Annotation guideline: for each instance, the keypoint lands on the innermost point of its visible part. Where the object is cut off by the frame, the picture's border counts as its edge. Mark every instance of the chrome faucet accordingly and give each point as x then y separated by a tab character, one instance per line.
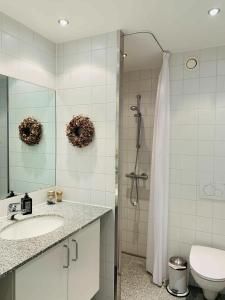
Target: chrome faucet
14	210
24	207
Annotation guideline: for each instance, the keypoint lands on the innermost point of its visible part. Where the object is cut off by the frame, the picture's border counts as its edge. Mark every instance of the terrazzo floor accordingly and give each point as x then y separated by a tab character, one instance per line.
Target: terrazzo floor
136	283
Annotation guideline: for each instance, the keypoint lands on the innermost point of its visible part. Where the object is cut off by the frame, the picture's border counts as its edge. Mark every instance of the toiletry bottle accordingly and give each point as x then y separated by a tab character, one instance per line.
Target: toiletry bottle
51	197
59	195
26	205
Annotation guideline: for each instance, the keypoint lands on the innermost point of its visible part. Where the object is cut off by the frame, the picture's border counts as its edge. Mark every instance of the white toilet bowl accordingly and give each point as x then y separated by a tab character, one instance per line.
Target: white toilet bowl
208	270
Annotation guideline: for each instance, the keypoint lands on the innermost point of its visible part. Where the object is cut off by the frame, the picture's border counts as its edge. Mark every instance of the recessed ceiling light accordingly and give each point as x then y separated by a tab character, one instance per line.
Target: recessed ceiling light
214	11
63	22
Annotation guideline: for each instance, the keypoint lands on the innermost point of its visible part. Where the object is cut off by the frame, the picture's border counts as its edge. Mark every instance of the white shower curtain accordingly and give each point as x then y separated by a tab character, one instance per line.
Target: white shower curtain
156	262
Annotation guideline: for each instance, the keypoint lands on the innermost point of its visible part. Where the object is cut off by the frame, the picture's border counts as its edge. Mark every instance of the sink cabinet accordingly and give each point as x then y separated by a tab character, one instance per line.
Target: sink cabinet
68	271
83	272
43	277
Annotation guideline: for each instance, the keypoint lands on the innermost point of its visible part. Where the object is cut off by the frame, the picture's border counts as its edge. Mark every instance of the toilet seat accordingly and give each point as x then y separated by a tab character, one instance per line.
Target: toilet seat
208	263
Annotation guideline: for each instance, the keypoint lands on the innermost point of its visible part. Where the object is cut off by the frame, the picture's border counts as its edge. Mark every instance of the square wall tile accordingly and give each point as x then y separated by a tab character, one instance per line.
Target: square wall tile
208	69
197	165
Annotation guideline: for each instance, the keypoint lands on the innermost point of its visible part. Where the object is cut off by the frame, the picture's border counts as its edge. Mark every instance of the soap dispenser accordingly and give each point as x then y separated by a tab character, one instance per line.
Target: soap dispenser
26	205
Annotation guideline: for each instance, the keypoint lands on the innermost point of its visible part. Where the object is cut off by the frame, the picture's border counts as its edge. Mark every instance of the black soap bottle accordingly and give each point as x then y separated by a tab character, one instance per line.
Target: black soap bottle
26	205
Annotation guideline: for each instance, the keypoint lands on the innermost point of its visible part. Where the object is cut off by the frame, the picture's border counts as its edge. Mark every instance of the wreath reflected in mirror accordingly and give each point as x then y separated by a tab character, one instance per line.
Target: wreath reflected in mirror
30	131
80	131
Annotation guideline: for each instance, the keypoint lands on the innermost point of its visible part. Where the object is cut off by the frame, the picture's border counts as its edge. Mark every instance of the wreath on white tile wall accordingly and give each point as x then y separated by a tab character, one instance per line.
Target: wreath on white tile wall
30	131
80	131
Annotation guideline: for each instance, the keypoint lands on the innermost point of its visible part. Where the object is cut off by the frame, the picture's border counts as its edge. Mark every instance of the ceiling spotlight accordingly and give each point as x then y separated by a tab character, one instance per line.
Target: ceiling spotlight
63	22
213	12
124	55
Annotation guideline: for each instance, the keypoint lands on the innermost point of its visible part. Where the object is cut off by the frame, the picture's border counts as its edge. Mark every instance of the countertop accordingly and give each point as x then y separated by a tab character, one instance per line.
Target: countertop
14	253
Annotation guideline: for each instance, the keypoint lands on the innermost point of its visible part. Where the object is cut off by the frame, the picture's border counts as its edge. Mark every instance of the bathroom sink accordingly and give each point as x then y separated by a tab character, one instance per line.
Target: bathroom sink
31	227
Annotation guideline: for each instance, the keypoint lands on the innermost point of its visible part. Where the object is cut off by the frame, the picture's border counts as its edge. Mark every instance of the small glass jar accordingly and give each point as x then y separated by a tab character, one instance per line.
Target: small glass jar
51	197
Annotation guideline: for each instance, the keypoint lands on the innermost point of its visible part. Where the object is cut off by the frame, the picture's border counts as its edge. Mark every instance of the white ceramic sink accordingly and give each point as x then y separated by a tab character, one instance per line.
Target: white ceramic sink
31	227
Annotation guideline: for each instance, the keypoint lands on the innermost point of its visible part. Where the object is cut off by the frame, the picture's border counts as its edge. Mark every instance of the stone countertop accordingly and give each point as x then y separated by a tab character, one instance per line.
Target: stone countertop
15	253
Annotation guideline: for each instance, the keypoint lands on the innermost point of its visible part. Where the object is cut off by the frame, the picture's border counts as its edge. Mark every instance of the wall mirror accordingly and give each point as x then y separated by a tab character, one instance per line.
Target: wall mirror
26	167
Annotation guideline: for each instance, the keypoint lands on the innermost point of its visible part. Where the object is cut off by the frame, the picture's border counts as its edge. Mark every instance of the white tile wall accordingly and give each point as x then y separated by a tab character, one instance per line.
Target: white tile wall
197	164
24	54
26	173
86	84
3	138
134	220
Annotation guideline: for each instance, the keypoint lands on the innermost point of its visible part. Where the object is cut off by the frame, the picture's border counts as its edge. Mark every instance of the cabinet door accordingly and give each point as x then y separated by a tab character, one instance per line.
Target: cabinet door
7	287
83	278
45	277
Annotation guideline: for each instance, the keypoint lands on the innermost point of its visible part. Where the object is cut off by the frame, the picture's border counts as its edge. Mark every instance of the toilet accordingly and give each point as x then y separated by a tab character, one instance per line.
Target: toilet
208	269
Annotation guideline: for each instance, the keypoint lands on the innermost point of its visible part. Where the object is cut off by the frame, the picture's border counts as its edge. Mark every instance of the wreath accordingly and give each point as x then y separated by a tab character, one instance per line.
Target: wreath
80	131
30	131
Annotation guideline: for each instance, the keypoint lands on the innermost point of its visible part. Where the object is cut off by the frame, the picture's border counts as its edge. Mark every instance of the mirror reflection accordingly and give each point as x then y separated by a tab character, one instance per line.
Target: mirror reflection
27	136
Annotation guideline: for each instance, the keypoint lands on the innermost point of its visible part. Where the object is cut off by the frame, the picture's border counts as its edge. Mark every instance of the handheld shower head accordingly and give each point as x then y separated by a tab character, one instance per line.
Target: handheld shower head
137	107
134	108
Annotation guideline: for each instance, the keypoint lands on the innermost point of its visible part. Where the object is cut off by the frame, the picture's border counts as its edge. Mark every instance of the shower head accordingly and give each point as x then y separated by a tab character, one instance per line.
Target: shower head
137	107
134	108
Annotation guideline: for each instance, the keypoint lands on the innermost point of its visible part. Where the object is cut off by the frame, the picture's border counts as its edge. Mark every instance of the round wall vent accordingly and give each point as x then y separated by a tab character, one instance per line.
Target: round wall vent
191	63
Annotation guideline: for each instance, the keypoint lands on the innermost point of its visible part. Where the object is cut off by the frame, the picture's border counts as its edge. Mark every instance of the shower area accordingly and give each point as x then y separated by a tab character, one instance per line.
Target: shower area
141	66
139	92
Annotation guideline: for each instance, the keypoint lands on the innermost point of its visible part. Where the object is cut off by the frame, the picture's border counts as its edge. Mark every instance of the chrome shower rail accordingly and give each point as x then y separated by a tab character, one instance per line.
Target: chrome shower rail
147	32
136	176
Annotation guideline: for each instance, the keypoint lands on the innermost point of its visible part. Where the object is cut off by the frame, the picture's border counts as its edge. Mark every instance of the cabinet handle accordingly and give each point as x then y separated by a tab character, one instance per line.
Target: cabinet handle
76	250
68	258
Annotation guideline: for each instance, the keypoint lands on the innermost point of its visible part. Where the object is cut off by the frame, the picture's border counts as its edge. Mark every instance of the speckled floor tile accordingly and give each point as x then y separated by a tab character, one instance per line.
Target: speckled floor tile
136	283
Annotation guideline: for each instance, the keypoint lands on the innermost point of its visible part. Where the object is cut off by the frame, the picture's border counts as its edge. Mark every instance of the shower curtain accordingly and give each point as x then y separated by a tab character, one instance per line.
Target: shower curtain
156	262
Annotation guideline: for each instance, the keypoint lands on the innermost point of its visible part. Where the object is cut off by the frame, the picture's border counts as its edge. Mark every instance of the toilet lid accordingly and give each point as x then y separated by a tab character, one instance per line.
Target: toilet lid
209	263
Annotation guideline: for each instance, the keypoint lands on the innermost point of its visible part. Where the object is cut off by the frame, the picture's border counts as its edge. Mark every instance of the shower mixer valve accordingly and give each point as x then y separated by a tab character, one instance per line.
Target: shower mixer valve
133	175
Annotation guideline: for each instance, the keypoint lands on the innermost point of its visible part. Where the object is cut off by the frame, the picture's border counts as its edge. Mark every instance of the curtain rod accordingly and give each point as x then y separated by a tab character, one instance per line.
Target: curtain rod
147	32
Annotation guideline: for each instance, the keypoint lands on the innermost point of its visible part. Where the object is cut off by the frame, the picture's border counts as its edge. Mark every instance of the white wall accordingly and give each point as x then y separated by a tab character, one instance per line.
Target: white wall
26	55
135	219
3	138
86	84
197	164
31	167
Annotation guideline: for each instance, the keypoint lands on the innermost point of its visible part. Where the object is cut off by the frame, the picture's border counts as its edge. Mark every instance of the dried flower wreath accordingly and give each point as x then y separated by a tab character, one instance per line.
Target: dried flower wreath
80	131
30	131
